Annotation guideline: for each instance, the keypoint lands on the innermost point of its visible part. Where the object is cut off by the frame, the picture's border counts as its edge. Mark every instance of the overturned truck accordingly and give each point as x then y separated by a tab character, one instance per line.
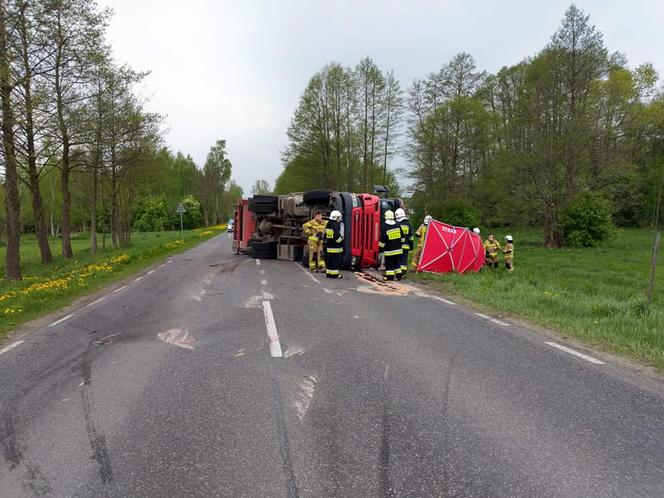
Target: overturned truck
270	226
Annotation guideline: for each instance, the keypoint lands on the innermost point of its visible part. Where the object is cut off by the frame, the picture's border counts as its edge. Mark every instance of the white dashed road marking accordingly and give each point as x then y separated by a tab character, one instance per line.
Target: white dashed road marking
483	316
139	278
258	262
263	282
119	289
576	353
10	347
150	272
272	335
96	301
57	322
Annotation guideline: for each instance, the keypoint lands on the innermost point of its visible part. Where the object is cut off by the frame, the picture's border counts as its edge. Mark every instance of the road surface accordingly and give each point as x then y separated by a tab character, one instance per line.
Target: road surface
217	375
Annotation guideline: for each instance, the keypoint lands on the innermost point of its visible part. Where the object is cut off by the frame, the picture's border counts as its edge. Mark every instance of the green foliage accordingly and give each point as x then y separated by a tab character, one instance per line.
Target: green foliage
192	217
587	221
152	215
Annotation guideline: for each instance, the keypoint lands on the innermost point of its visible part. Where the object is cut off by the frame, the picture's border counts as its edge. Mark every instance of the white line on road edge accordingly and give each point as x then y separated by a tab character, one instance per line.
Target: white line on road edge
308	274
502	324
443	300
150	272
57	322
258	262
119	289
139	278
483	316
10	347
263	282
161	266
96	301
272	335
576	353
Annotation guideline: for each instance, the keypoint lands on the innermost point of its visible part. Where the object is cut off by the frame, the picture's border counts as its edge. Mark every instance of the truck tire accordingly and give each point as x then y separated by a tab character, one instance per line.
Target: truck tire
264	250
264	204
316	196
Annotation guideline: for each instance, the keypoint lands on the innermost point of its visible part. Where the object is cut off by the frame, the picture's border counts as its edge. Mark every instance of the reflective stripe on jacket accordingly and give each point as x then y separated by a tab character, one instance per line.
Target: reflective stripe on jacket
312	228
406	235
334	238
390	239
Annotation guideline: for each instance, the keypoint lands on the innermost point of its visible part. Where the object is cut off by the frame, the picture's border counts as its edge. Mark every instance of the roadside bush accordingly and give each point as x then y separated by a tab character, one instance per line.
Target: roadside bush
152	215
587	221
459	213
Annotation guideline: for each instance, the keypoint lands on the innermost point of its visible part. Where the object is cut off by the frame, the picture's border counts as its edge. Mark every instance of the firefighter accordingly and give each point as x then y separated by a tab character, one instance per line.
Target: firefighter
406	239
421	233
508	251
390	245
315	230
476	231
334	248
491	248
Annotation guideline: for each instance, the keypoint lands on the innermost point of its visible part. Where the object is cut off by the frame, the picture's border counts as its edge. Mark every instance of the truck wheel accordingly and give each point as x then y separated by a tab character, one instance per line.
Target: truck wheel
264	204
316	196
264	250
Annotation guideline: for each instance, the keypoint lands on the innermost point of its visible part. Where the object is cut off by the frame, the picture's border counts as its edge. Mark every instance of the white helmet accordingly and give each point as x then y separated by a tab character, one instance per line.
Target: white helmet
400	214
427	219
389	215
335	215
476	230
508	238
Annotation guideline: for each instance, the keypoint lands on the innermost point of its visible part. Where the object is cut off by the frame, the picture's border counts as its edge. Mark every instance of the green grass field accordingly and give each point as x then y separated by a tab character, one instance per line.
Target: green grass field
597	295
47	288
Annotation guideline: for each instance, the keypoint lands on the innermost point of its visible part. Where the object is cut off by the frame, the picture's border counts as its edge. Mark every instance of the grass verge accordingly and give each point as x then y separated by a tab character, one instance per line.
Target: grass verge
47	288
597	295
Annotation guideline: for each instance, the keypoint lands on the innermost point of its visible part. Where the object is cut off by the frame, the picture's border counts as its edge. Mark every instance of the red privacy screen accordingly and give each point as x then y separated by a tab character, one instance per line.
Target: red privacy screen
448	248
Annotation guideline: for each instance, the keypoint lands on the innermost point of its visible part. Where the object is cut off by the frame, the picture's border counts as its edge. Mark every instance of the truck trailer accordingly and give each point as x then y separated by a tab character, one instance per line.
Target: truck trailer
270	226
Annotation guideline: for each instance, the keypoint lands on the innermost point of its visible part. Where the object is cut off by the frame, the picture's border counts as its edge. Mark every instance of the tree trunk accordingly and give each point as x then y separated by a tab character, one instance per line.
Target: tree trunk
64	167
12	199
93	213
67	251
41	230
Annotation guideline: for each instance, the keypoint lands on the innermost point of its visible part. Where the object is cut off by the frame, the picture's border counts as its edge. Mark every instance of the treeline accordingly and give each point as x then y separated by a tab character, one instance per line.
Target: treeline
79	149
570	132
344	130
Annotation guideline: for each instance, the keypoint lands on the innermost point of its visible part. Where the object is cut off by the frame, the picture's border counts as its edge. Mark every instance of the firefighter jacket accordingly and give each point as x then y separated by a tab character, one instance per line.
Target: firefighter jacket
492	247
509	250
312	228
390	239
421	233
407	237
334	237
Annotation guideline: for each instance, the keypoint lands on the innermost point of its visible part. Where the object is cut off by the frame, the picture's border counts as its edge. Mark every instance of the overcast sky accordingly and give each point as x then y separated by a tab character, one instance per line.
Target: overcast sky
236	69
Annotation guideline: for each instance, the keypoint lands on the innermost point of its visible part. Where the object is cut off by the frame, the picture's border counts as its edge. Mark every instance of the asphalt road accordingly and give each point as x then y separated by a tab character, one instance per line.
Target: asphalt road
169	387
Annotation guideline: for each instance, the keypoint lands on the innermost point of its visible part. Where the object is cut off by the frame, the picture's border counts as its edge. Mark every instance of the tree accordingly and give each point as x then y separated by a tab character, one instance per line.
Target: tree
12	200
216	174
75	30
260	187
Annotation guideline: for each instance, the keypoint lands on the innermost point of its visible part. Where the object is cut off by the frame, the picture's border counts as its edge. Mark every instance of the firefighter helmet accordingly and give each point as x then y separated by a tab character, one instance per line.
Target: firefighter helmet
389	215
476	230
335	215
400	214
427	219
508	238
